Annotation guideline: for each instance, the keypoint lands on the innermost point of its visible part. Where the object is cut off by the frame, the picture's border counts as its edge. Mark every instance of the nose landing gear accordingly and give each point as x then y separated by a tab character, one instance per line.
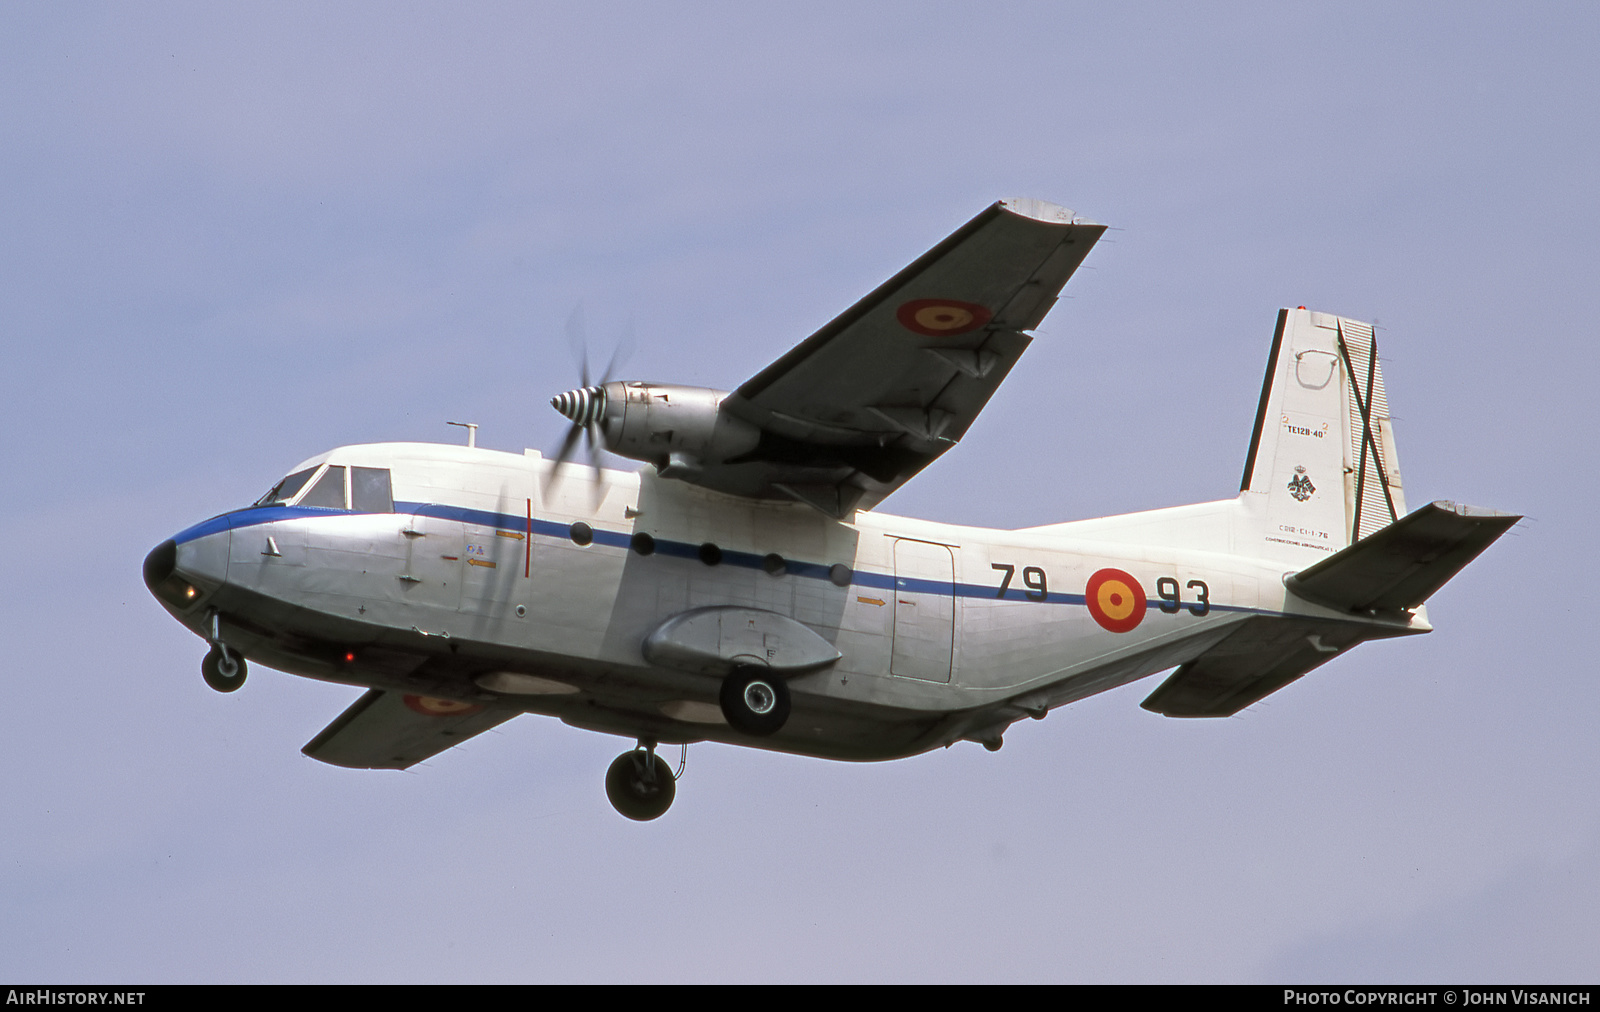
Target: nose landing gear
223	669
640	784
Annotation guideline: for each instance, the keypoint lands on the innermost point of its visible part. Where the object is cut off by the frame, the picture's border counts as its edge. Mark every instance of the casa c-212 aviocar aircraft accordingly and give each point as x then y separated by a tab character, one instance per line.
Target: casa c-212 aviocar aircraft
742	588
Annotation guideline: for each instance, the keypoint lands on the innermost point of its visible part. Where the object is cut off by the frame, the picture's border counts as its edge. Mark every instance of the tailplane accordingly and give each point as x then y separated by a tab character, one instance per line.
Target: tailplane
1384	575
1397	568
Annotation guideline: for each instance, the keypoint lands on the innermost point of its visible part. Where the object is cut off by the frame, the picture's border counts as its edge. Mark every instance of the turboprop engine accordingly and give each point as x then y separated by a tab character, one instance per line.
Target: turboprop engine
679	429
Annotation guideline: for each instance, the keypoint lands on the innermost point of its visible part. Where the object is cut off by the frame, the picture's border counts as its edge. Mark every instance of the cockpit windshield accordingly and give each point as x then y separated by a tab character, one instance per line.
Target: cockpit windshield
286	489
369	489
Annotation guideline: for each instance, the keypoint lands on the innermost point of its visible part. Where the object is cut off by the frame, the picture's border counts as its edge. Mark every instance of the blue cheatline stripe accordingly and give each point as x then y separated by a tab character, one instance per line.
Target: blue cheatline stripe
255	515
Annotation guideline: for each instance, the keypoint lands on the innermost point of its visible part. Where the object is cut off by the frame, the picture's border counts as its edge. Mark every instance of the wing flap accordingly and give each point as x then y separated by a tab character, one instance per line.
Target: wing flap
393	730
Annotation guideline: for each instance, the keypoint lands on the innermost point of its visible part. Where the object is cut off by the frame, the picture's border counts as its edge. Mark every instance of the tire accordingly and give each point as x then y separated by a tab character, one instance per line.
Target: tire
635	796
223	670
755	701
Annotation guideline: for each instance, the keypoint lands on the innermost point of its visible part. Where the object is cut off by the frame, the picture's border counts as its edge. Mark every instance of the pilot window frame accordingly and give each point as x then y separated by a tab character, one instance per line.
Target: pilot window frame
269	499
374	494
324	484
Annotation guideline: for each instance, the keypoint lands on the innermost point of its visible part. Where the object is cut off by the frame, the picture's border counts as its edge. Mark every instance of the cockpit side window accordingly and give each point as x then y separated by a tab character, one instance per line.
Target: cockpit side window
285	490
370	490
328	491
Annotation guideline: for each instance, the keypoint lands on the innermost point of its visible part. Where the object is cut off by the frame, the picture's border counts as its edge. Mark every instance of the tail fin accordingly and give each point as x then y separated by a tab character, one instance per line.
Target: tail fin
1322	471
1322	492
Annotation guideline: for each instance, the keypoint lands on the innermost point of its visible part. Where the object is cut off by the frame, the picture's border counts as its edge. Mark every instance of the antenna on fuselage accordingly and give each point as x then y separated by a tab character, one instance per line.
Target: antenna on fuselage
472	432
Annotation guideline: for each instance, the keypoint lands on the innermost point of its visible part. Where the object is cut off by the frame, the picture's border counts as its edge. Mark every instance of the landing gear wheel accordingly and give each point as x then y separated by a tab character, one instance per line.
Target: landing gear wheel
640	785
755	701
223	669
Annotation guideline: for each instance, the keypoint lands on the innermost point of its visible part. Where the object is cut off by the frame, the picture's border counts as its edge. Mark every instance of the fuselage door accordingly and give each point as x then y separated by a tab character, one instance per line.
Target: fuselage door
924	610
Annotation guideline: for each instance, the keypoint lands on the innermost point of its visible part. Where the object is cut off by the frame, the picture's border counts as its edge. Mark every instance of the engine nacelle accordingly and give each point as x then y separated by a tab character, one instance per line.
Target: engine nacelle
677	428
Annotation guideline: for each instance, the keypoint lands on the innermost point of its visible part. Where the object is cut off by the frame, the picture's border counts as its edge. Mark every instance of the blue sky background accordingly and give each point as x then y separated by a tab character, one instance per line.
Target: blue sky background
233	236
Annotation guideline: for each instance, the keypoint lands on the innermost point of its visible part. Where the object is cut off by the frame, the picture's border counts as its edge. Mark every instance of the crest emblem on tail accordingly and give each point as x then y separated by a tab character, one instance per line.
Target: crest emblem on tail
1300	486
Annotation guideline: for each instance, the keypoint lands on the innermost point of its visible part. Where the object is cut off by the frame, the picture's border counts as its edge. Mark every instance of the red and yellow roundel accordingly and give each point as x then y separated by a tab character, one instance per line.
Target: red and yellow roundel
1115	600
430	706
941	317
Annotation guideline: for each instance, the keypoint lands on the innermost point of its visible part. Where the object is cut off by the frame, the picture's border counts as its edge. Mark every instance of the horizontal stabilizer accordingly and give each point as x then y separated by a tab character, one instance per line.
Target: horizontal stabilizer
1260	657
394	730
1400	566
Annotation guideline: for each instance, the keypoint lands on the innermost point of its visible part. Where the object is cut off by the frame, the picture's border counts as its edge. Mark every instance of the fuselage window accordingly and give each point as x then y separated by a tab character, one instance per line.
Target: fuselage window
328	491
284	490
370	491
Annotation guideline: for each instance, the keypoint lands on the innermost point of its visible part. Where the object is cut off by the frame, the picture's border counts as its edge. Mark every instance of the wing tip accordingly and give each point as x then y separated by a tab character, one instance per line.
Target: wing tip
1043	210
1469	512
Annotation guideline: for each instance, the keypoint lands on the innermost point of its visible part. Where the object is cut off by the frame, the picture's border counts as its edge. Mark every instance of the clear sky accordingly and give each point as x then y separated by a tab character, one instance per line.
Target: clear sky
233	236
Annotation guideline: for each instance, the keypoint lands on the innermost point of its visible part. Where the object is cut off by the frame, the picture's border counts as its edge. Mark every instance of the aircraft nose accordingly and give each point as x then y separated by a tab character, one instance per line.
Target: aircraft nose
165	582
183	573
160	563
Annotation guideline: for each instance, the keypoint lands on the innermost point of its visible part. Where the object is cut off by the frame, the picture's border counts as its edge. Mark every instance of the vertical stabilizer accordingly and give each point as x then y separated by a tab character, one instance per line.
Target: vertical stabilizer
1322	471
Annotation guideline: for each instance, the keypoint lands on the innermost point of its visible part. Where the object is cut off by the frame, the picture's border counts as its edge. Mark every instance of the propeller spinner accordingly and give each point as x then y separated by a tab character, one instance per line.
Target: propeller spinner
582	406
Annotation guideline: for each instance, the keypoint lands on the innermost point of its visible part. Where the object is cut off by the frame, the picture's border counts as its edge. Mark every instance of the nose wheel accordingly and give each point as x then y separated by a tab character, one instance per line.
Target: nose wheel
640	784
223	669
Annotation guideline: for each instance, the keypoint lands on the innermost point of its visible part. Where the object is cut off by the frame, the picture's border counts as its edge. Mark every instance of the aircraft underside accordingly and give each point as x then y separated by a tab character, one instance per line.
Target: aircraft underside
615	699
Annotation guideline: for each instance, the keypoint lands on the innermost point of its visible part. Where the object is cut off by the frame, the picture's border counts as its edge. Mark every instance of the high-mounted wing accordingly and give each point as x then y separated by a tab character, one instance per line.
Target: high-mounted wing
876	395
394	730
873	397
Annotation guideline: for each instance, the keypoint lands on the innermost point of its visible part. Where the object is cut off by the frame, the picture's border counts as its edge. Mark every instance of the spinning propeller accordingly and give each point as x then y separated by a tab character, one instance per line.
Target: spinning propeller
585	406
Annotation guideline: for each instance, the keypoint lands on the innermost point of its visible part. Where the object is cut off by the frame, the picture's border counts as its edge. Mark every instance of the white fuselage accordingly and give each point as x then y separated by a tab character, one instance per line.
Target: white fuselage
478	573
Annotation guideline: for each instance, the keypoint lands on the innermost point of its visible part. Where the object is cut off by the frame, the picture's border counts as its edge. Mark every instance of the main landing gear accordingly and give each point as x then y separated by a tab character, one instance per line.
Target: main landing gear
640	784
755	701
223	669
